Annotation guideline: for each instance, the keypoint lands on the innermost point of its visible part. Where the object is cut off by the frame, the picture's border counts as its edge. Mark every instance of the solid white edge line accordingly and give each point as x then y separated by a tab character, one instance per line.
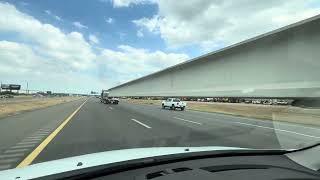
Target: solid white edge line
282	130
187	120
141	123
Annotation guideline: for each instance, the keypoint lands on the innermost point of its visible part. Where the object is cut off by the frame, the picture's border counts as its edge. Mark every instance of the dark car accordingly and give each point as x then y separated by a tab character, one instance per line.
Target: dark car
8	96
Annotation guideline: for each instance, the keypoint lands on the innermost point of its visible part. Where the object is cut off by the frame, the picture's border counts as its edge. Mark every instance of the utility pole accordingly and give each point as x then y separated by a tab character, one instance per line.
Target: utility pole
27	88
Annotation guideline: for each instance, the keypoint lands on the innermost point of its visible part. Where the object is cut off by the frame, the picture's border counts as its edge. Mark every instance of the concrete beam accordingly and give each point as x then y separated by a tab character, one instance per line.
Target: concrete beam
281	63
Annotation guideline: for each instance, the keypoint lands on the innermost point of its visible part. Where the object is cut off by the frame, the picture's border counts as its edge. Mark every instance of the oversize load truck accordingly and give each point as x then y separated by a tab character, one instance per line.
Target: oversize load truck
106	99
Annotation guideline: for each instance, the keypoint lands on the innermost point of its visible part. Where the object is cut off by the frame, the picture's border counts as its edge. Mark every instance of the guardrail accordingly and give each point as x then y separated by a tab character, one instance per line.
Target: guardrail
281	63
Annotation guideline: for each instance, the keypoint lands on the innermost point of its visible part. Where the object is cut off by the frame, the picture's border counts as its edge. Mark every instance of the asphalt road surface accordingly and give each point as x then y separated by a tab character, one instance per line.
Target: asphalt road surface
98	127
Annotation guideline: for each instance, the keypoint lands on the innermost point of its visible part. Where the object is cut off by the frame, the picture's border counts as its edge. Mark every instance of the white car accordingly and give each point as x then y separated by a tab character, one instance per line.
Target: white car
174	103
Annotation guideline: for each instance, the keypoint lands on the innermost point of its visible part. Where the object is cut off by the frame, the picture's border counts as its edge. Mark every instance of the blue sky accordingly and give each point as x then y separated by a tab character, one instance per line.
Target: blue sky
94	14
79	46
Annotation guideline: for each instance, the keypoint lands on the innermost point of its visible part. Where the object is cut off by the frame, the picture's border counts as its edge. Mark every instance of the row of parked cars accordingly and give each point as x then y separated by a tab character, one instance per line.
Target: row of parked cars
247	101
269	101
175	103
6	96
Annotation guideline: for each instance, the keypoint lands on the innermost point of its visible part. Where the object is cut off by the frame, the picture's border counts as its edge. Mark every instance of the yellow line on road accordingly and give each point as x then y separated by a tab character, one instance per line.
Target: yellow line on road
28	160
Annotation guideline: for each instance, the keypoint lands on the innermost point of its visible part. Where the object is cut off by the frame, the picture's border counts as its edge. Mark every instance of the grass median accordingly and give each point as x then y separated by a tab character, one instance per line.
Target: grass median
266	112
16	107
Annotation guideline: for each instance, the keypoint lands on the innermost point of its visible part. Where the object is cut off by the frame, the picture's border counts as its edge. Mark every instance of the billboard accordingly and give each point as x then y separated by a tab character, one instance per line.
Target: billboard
15	87
5	86
11	86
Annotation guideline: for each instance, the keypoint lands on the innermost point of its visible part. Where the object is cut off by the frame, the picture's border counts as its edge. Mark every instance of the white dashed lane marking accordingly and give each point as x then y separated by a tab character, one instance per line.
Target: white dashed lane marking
187	120
142	124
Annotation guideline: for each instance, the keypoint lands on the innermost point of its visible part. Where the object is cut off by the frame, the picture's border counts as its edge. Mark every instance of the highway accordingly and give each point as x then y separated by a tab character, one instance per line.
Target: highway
87	126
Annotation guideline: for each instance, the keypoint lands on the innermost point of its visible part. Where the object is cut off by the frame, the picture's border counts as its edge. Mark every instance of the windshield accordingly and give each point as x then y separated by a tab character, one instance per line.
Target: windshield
81	77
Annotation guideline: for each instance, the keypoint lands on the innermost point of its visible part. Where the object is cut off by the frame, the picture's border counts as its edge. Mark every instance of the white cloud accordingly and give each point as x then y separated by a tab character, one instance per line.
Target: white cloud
110	20
127	3
129	63
139	34
79	25
51	59
210	23
93	39
46	51
69	48
20	64
54	16
19	56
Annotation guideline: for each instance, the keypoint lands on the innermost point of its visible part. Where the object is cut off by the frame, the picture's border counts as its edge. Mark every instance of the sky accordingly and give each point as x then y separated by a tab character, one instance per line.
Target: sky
79	46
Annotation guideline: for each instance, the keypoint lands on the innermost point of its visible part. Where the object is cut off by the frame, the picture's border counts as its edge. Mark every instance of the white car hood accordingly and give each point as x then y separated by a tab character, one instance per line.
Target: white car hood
95	159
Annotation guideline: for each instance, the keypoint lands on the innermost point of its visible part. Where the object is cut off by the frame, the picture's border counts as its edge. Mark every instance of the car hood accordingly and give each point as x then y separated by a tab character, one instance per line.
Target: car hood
96	159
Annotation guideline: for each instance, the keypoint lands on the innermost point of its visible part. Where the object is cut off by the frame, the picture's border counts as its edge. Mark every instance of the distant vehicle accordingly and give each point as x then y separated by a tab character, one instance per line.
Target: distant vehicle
267	102
257	101
8	96
106	99
282	102
37	95
174	103
247	101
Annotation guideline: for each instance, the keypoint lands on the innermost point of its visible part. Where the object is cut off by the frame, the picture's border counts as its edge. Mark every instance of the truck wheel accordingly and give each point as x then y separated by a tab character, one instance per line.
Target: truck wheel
182	108
172	107
163	106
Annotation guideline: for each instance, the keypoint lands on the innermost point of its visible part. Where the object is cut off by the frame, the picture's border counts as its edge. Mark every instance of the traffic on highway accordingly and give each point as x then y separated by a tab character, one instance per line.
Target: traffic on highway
159	90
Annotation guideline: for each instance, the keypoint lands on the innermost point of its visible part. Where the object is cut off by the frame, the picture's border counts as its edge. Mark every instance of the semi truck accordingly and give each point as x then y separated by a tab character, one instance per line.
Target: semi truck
106	99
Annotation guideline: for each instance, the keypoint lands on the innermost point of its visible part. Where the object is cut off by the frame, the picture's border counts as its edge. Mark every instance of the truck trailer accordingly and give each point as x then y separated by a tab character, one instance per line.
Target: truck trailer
106	99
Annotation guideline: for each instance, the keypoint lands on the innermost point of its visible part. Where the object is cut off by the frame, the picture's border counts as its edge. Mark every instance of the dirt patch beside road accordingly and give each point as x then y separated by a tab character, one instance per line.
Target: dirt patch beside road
36	103
267	112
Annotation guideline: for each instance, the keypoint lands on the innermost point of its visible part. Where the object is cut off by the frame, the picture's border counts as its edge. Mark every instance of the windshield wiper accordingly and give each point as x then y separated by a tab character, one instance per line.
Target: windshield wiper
305	148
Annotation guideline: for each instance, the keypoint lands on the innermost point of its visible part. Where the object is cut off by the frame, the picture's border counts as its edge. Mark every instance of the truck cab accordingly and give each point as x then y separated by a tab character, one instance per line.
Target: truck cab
106	99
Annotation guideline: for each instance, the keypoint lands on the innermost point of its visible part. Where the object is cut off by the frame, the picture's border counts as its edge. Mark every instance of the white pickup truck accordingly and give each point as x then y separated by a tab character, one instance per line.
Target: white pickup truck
174	103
